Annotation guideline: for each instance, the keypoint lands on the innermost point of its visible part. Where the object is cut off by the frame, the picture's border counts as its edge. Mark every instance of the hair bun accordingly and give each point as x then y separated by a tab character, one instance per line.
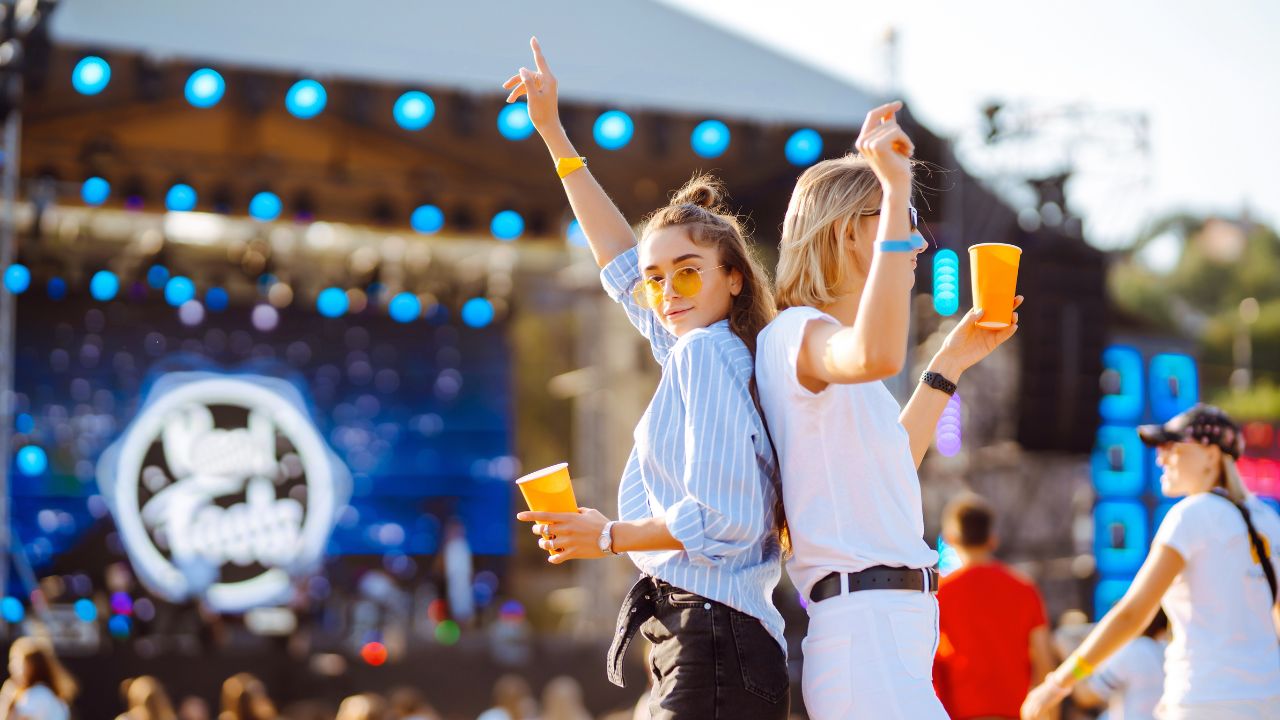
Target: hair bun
705	191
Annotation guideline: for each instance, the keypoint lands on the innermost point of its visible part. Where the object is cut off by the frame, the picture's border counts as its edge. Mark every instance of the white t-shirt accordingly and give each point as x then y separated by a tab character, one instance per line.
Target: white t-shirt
39	703
849	482
1224	643
1131	680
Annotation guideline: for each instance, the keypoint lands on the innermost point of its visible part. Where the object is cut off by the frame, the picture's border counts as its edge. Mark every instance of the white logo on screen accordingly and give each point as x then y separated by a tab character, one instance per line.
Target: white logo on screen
227	514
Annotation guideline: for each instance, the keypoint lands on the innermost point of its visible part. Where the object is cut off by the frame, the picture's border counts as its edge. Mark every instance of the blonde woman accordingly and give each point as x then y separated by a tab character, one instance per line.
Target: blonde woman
1213	568
848	452
38	687
147	700
697	500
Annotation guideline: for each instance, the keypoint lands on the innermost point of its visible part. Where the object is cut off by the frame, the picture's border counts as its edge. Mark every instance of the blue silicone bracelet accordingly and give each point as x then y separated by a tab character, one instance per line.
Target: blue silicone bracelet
900	246
916	242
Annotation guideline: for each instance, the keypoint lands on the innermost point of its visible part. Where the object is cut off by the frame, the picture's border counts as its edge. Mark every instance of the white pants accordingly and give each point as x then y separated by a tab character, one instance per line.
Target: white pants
1268	709
869	654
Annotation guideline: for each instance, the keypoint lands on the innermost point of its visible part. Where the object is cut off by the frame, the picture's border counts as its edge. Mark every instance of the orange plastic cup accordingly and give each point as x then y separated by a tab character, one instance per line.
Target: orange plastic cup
993	268
549	490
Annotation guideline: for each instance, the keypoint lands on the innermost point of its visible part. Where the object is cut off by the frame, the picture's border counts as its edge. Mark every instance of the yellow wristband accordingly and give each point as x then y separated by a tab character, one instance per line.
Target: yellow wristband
1081	669
565	166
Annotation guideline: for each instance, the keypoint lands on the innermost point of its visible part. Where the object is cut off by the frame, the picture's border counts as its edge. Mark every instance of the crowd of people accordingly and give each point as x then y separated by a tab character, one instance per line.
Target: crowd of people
40	688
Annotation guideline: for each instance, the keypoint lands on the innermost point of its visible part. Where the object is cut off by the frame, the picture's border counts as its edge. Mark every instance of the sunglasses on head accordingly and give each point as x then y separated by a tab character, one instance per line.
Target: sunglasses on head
685	282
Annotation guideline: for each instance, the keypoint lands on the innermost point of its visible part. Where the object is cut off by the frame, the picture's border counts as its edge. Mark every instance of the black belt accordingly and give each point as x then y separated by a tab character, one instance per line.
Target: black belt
879	577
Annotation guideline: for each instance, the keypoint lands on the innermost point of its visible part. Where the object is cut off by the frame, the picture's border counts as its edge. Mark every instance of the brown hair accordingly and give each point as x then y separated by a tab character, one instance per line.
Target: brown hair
365	706
147	700
813	257
42	668
969	520
699	208
244	697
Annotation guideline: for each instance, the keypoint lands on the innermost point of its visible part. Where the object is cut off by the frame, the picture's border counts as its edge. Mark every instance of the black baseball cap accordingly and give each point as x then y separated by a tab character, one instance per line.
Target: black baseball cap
1202	423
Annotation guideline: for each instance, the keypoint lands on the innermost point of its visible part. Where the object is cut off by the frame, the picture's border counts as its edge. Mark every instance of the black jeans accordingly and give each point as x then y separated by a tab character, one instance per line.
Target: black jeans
708	661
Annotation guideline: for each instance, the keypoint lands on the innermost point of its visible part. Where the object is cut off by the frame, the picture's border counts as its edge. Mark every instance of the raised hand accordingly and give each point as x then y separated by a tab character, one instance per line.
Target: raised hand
886	147
969	343
539	85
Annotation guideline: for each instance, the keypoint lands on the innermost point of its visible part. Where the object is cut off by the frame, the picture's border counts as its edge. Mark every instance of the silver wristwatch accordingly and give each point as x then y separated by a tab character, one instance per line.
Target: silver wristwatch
605	541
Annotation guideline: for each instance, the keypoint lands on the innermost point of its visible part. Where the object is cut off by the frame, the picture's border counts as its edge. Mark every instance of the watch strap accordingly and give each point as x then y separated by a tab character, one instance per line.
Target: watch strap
938	382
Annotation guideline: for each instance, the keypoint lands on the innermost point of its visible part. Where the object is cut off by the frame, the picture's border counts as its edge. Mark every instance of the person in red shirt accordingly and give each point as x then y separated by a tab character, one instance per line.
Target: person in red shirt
994	639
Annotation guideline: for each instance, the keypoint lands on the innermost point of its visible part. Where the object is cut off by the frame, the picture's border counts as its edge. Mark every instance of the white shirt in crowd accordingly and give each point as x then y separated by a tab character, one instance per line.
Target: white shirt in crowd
1131	680
40	703
849	480
1224	643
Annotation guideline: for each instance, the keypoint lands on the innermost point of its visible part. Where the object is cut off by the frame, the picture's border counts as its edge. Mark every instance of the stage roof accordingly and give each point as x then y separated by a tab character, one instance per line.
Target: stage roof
632	54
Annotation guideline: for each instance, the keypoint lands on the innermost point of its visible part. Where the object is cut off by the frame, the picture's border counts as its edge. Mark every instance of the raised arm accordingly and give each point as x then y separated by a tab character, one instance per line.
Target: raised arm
1122	623
874	346
608	232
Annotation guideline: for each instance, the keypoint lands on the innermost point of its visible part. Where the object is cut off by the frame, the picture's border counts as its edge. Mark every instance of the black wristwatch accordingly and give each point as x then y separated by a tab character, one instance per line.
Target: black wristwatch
937	382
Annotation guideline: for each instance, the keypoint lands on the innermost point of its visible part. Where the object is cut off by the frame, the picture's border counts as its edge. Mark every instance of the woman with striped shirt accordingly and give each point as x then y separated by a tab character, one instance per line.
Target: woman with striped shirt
697	501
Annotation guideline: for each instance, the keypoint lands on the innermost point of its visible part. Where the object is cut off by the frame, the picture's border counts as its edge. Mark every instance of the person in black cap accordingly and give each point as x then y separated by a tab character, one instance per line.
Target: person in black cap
1212	569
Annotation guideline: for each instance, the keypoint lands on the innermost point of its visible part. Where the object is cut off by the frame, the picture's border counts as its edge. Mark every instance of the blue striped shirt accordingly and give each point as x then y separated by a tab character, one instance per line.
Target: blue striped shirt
702	462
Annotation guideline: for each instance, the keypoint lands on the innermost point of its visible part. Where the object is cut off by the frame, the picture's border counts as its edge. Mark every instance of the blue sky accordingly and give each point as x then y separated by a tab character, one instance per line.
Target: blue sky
1203	76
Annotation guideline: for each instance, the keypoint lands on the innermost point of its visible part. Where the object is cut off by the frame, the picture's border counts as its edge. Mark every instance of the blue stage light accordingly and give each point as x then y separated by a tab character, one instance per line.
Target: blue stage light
1173	385
91	75
216	299
710	139
477	312
178	290
804	147
95	191
514	122
86	610
118	626
17	278
332	302
305	99
1122	386
180	198
57	288
12	610
265	206
24	423
32	461
946	282
427	219
157	276
205	88
104	285
414	110
507	225
405	307
613	130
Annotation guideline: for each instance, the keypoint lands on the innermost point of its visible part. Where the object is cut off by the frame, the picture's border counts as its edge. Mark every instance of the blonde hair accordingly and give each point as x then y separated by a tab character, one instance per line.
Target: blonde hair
699	208
813	257
1231	481
147	700
244	697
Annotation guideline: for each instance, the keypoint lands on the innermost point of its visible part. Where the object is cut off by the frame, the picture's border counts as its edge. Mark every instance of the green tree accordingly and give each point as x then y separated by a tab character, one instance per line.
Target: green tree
1200	299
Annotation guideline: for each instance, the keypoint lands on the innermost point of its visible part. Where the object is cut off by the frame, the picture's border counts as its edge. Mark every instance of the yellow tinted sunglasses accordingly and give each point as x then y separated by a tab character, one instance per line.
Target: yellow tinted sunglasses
685	282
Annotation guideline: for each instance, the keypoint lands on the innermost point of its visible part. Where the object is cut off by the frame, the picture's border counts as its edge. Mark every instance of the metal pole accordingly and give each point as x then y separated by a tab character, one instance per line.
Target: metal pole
8	351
